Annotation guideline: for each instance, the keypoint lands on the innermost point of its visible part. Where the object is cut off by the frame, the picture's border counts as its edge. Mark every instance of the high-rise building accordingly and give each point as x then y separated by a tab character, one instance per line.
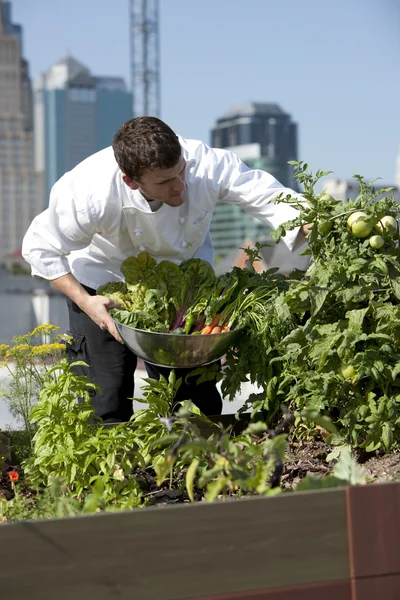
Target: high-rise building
349	189
76	114
19	201
264	137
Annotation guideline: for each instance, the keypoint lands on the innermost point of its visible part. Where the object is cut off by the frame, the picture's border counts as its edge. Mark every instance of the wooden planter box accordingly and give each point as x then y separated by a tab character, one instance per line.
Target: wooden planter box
340	544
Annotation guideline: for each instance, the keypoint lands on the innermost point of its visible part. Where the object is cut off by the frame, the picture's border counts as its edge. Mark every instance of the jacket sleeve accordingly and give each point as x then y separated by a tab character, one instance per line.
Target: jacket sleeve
254	191
69	223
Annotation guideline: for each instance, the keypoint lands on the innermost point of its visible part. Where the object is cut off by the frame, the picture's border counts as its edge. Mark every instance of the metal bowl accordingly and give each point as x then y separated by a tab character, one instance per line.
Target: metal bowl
177	351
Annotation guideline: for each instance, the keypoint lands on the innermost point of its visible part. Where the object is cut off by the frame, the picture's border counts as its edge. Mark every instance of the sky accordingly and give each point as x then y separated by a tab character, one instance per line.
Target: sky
334	65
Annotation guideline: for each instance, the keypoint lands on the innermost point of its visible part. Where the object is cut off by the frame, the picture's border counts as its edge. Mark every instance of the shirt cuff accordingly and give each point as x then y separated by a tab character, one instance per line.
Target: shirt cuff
49	268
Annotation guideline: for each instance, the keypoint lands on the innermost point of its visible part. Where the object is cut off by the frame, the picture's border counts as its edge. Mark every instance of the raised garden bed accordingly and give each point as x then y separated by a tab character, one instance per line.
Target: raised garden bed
337	544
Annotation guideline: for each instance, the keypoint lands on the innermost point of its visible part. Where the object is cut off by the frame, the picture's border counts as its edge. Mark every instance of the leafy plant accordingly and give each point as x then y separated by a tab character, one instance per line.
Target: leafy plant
68	447
28	364
343	356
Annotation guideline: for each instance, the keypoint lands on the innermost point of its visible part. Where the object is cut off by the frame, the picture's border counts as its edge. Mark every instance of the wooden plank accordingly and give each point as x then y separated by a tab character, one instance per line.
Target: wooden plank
329	590
385	587
374	529
179	552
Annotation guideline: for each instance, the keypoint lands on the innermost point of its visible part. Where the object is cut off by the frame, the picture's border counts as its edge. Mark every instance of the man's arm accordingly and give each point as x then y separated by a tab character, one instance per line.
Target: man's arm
253	190
68	224
96	307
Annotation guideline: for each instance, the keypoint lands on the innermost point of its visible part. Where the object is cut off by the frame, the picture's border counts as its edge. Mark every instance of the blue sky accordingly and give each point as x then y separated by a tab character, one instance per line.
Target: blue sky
333	65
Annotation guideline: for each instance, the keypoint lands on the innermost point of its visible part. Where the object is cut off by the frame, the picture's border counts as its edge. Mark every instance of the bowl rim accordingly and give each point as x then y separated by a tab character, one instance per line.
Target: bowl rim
180	335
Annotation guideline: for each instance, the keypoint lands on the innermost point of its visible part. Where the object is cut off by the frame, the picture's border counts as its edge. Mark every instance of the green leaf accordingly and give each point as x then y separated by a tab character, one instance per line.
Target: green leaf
140	269
387	435
188	408
190	475
395	282
312	482
348	469
215	488
322	420
163	467
318	298
165	440
396	371
356	318
255	428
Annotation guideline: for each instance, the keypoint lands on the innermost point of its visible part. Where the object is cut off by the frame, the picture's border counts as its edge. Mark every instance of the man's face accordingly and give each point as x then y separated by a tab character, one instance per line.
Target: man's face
165	185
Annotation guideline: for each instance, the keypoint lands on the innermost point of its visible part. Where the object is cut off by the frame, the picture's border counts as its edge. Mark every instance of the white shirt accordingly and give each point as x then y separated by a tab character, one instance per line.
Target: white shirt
95	221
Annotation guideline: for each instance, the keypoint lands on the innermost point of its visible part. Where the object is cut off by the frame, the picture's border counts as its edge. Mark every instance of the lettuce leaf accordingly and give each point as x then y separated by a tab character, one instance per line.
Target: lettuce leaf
142	319
118	291
140	269
164	296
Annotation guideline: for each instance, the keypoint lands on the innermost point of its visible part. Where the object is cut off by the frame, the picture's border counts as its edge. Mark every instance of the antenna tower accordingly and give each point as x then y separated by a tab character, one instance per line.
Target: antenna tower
145	57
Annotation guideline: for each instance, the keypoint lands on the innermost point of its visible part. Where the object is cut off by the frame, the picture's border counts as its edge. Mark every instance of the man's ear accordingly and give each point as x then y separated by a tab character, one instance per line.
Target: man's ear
131	183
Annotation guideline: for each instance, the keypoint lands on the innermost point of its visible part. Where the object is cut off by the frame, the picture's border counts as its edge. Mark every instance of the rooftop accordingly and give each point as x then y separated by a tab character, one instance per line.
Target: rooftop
250	109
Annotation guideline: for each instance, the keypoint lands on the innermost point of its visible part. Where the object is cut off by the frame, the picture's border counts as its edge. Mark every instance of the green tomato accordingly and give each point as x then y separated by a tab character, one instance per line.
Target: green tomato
325	227
361	229
354	216
376	242
327	198
348	371
389	223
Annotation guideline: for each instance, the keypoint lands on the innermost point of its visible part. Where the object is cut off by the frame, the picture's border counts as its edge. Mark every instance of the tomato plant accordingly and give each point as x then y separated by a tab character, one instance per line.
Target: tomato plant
342	356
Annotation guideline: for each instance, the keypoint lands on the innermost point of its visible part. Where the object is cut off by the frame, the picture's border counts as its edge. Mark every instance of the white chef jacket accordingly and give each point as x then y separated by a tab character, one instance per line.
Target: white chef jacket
94	220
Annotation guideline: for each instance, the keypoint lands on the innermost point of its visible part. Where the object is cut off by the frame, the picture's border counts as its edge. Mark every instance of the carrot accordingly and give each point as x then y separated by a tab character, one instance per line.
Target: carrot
216	330
208	328
225	328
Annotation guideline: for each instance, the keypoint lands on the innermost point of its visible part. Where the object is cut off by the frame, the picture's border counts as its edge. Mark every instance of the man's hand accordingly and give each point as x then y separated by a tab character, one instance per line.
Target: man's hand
304	232
97	307
306	229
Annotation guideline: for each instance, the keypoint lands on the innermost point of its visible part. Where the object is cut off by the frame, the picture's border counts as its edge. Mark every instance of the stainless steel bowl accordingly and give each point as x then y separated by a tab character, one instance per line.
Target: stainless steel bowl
177	351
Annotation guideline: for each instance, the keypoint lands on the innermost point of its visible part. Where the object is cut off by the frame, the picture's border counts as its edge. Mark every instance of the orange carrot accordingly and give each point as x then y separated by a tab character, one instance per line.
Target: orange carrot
225	328
216	330
208	328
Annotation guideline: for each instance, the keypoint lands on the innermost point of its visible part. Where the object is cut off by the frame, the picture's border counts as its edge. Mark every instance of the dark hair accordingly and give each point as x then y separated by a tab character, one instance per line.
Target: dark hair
145	143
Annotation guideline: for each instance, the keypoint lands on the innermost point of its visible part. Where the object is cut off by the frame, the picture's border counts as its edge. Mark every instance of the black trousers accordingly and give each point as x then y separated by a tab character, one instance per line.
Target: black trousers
112	367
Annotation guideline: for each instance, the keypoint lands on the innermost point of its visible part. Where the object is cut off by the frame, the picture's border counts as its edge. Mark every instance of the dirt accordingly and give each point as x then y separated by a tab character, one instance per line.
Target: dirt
305	456
309	456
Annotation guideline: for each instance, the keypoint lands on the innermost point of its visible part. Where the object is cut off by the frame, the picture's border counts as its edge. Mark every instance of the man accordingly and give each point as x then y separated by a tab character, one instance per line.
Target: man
151	191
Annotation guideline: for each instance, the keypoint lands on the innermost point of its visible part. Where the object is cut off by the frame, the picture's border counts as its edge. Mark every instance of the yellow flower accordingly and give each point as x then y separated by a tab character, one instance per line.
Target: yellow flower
46	349
44	329
56	347
18	352
3	350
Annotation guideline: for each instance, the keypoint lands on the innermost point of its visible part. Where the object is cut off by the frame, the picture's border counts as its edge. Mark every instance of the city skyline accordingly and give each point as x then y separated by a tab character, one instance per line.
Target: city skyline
342	93
76	115
19	198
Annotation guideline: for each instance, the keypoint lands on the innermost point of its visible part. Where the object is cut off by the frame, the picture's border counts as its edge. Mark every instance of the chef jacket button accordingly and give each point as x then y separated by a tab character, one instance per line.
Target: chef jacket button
182	220
184	244
142	248
138	233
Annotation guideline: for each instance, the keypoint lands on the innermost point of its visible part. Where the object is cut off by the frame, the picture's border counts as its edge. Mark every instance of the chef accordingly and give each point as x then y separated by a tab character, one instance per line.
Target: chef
153	192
